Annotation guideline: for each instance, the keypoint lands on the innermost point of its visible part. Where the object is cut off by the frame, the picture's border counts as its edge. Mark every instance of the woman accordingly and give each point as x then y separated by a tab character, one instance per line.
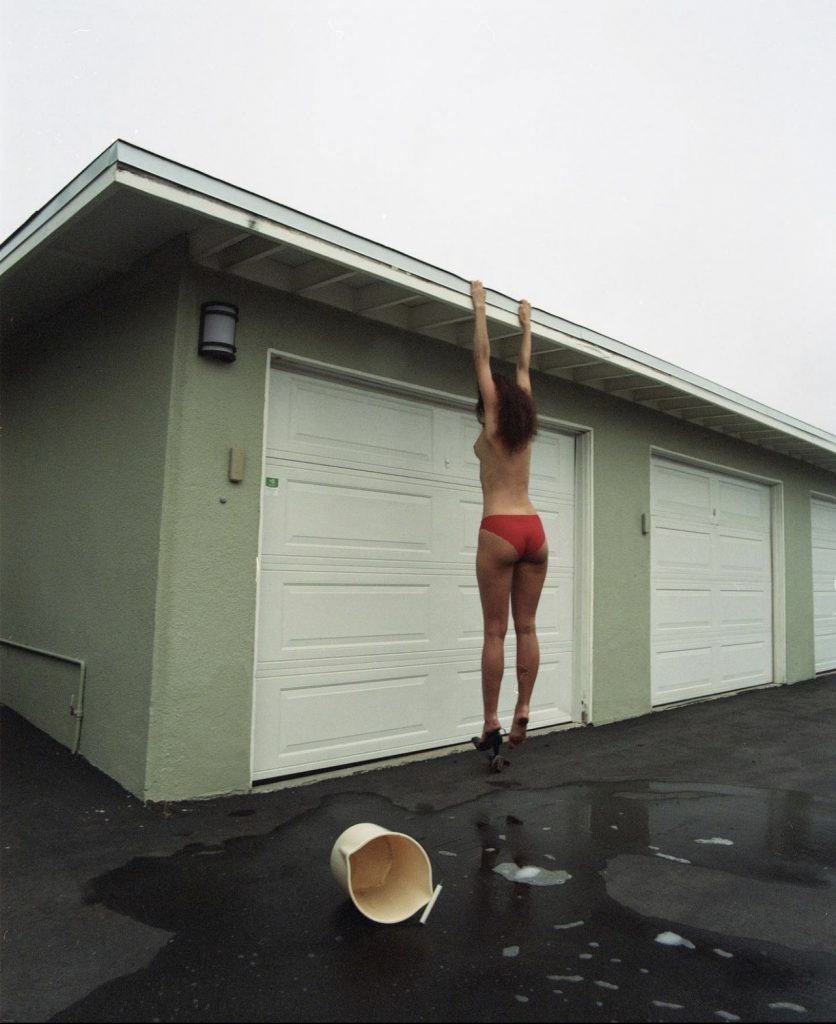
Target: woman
512	555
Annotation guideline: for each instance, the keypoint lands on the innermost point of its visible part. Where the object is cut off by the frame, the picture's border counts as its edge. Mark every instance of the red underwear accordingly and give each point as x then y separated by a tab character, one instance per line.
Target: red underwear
526	533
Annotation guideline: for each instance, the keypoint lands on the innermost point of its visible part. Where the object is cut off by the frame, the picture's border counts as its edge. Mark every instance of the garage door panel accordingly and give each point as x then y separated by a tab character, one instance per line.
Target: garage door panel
711	583
353	515
325	514
824	568
684	548
825	647
311	614
559	526
681	491
555	615
338	717
825	603
682	671
745	663
742	504
682	607
368	605
743	553
742	608
345	425
370	613
823	519
467	519
823	523
553	466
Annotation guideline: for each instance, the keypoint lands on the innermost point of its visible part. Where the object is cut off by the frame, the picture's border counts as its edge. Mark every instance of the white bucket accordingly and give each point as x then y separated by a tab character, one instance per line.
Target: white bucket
387	874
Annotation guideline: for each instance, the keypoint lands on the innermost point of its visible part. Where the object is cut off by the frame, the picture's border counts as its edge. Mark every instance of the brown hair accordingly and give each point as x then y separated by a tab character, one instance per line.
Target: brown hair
517	413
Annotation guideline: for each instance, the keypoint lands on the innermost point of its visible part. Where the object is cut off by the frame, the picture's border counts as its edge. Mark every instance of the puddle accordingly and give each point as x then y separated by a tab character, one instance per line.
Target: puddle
745	903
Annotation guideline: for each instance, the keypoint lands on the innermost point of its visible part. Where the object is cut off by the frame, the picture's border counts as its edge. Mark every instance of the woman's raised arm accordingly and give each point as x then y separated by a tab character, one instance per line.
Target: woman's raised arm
482	353
524	356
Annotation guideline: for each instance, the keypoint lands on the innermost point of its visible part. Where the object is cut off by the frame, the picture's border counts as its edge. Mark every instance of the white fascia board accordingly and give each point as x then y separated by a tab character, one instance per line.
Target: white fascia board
146	172
78	194
221	202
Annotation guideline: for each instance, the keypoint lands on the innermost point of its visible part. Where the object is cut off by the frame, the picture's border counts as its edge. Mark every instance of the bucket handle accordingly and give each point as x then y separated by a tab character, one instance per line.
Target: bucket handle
430	905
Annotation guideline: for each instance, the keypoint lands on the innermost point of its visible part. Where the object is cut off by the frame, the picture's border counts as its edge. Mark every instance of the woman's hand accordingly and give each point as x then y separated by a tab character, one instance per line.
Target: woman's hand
477	294
525	313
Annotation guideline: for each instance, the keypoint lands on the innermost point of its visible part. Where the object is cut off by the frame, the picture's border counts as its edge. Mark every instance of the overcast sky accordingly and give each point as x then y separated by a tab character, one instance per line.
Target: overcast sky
662	171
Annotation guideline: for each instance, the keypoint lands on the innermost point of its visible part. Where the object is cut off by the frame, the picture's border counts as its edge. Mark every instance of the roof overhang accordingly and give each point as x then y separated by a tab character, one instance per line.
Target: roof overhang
129	202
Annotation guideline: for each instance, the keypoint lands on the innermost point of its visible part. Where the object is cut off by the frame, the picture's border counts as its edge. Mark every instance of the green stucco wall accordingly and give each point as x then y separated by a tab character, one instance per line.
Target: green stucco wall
206	619
85	397
125	543
201	705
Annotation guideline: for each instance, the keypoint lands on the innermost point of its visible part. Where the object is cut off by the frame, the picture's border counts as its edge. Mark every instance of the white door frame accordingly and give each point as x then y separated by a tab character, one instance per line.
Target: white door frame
278	359
776	511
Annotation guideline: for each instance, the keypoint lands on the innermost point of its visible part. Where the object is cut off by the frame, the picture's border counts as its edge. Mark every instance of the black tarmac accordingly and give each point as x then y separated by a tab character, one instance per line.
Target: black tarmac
680	867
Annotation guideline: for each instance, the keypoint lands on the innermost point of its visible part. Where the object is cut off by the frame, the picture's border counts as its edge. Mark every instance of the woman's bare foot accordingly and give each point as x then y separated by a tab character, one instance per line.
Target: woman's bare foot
518	733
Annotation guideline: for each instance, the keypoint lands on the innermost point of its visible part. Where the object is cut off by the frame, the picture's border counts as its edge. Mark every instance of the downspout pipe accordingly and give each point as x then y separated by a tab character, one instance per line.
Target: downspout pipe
76	705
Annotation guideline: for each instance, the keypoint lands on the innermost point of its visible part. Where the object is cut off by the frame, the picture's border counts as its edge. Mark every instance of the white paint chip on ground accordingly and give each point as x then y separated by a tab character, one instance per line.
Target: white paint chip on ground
605	984
724	952
565	977
668	1006
788	1006
447	853
672	939
511	951
716	841
670	856
725	1015
572	924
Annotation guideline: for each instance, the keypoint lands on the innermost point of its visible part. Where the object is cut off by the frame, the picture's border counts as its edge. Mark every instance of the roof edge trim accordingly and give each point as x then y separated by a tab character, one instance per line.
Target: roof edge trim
371	257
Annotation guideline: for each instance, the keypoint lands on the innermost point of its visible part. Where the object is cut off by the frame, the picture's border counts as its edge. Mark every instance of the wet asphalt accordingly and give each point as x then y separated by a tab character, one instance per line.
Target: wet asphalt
689	854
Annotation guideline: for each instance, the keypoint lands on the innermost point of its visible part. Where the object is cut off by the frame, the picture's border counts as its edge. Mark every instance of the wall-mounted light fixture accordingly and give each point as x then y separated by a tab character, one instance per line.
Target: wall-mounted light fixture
218	321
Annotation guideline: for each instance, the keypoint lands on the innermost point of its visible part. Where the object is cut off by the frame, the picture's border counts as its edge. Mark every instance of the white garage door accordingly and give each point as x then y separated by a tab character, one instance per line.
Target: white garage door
711	565
370	627
824	582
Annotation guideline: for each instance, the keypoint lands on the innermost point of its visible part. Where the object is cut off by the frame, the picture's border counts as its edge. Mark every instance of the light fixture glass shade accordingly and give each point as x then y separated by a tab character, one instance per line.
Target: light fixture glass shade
218	321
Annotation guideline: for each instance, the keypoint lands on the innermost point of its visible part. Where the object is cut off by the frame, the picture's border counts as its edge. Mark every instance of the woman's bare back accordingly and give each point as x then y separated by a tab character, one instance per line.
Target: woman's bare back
504	477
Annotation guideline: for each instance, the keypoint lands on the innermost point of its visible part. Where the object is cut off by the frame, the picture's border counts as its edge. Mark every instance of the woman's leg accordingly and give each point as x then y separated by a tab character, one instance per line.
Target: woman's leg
526	587
495	558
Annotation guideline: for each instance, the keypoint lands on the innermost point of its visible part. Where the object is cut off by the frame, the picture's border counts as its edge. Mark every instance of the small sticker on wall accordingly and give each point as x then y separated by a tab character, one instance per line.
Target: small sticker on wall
272	481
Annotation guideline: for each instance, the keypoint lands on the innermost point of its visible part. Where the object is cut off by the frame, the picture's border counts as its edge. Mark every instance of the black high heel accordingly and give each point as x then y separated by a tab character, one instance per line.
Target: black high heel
492	739
492	743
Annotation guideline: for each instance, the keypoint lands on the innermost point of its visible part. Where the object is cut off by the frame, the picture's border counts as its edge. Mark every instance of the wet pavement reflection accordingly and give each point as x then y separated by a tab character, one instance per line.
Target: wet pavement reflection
602	902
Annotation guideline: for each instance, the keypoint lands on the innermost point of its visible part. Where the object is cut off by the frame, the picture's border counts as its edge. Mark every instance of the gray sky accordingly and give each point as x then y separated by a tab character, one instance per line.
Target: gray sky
662	171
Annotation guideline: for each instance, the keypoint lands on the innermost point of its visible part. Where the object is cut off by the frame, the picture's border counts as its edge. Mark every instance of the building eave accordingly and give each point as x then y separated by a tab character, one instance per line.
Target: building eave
128	201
